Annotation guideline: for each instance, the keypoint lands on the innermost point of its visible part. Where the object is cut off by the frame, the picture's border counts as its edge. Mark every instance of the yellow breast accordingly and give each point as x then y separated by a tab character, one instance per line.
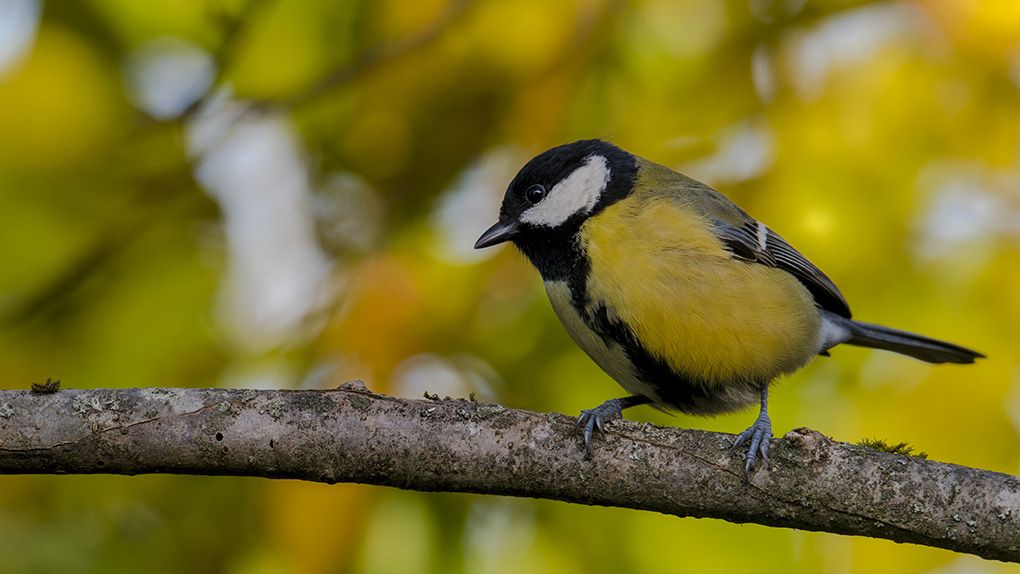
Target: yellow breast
659	269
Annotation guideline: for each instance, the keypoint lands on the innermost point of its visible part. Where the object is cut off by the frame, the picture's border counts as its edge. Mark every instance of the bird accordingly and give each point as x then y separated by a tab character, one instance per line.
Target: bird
686	301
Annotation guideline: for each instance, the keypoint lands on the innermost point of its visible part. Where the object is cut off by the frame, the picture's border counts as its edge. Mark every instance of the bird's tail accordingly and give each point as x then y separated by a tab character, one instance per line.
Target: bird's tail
902	342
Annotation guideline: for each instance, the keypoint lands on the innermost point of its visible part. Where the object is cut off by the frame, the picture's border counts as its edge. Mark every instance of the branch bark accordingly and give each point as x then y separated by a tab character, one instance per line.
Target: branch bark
352	435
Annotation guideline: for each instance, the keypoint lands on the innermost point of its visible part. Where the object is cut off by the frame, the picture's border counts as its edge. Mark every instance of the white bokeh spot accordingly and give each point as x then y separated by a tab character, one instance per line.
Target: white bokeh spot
166	75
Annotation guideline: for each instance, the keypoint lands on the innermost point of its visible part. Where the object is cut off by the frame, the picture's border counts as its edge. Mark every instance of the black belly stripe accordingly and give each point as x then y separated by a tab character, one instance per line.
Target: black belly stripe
680	391
674	390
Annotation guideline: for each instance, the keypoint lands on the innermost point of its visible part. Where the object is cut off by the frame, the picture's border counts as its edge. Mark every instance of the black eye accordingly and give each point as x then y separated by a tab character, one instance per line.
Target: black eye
534	194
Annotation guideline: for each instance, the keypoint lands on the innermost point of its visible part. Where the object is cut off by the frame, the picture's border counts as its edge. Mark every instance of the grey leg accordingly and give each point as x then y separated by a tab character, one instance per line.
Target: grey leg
760	433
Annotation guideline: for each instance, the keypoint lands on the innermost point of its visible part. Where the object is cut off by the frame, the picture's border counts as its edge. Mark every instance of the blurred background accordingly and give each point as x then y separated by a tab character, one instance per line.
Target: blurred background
285	194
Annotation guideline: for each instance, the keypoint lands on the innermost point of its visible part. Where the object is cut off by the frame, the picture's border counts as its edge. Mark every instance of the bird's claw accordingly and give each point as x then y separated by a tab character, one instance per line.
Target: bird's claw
759	434
596	418
592	420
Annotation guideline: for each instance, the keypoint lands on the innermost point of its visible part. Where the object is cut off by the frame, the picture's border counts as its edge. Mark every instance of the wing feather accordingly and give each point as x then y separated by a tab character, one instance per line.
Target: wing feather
755	242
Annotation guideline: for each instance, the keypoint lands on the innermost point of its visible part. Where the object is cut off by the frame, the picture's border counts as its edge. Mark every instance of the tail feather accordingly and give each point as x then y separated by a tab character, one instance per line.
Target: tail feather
902	342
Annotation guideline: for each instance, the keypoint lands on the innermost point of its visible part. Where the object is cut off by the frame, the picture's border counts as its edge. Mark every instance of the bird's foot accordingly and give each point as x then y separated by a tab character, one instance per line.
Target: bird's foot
594	419
759	434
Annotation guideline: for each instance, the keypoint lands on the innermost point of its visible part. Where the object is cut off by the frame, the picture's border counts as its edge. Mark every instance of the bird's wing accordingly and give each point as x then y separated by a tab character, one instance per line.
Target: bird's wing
754	241
745	237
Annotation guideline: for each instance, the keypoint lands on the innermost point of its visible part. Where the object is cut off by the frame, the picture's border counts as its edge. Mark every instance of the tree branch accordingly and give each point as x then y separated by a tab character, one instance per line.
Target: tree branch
352	435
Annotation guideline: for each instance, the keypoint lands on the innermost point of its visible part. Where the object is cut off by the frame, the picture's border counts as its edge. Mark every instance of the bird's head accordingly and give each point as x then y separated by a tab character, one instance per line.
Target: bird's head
554	193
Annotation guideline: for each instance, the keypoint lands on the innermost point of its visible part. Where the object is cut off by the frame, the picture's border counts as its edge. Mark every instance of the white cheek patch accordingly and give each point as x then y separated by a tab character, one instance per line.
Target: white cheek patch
578	192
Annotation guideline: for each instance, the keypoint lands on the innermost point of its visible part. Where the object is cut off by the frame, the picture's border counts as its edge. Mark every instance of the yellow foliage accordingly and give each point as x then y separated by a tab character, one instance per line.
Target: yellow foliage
58	109
882	139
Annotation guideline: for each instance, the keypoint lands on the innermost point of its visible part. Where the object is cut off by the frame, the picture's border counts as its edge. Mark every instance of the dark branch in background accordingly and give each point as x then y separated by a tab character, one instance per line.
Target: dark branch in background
381	54
151	203
370	59
352	435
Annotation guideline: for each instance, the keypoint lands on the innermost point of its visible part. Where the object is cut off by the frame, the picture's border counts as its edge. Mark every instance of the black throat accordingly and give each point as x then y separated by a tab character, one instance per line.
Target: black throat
557	252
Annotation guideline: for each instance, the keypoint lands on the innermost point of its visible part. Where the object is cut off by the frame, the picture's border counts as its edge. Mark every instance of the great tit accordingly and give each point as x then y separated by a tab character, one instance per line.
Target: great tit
689	303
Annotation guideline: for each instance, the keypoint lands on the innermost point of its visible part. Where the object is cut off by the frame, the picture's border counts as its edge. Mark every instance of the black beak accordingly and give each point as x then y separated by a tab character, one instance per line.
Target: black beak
497	234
